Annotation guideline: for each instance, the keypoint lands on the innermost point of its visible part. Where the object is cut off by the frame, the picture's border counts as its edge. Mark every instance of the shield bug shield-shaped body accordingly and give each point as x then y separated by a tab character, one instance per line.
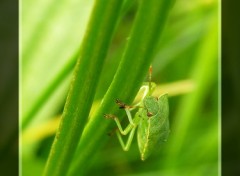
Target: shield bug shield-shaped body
151	120
153	126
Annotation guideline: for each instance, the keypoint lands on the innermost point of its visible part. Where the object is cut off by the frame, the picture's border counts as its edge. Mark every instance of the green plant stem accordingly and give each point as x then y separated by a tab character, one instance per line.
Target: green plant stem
60	77
149	22
86	75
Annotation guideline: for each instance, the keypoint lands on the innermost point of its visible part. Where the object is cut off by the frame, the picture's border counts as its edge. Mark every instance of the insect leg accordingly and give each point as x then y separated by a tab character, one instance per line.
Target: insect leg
123	132
129	116
126	108
129	141
126	130
146	90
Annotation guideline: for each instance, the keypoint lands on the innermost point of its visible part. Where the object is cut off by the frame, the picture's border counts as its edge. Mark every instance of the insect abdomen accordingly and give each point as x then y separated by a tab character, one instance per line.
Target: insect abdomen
153	129
148	136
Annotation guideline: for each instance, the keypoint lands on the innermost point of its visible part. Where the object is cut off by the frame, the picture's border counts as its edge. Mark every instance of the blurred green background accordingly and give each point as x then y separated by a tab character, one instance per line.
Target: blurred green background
185	65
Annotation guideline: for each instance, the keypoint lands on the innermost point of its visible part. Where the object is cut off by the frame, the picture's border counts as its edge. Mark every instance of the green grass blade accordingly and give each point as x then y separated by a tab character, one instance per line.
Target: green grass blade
203	75
150	20
60	77
47	48
83	86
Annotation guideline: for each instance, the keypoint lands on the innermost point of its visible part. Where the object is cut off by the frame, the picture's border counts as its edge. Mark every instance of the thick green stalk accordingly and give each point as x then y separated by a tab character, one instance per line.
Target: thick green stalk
86	75
149	22
60	77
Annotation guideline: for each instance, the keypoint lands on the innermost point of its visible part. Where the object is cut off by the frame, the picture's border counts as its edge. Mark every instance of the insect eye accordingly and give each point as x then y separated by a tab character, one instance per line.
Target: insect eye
149	114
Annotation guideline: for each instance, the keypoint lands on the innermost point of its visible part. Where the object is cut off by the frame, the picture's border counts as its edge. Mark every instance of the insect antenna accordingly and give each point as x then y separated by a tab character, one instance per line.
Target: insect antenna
150	78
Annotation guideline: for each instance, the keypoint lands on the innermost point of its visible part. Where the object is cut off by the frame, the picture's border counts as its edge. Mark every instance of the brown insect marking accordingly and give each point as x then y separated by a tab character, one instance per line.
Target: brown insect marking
120	104
149	114
109	116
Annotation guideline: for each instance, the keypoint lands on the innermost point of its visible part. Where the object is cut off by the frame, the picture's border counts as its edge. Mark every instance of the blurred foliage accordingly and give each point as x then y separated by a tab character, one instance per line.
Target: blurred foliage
9	88
230	86
51	32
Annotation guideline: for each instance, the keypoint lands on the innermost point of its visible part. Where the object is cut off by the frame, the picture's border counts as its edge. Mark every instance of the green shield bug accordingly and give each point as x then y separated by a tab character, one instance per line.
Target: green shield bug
151	120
